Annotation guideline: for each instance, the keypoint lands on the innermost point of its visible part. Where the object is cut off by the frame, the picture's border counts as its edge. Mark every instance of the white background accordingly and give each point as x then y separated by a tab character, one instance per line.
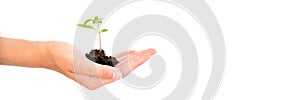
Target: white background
261	36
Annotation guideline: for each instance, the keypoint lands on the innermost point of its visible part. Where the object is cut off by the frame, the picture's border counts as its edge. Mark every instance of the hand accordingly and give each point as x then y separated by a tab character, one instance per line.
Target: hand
69	61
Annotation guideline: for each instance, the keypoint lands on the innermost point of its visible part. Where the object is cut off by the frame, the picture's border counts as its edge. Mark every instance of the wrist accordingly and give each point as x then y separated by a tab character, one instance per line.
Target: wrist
46	54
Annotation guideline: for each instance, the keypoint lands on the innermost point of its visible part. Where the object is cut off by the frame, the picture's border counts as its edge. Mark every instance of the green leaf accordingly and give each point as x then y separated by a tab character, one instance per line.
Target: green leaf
100	20
88	20
96	18
104	30
85	26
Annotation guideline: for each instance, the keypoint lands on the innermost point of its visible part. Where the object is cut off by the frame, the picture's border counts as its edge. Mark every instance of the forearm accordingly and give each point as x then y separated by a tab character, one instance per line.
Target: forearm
23	53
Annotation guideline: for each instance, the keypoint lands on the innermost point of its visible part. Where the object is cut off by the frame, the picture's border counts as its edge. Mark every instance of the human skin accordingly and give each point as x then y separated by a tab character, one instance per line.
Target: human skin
69	61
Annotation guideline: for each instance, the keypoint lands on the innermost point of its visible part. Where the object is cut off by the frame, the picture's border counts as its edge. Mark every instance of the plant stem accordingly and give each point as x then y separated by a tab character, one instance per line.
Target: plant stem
99	40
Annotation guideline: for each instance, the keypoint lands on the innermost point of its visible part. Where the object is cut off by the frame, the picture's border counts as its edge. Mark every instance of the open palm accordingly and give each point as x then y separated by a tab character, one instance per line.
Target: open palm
72	63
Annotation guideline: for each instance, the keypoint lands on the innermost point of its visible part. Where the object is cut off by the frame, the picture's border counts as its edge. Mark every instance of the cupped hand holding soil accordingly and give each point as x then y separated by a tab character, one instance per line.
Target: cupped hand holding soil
72	63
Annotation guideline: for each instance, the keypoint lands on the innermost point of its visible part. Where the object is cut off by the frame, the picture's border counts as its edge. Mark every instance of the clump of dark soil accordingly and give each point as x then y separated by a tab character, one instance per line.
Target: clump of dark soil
99	56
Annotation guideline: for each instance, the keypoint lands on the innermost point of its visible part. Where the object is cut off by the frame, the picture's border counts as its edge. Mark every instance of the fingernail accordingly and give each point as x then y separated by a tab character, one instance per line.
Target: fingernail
152	51
114	76
117	74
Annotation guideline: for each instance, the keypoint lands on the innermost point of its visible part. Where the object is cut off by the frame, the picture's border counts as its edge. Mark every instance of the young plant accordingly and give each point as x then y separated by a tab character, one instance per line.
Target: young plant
96	26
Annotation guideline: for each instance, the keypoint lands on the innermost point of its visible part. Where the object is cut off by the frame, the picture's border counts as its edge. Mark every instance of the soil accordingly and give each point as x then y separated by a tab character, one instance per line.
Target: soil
100	57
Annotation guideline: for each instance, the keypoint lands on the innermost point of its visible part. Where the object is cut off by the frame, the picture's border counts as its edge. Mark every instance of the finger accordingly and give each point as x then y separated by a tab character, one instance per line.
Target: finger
107	81
97	70
134	61
92	82
151	51
105	72
89	82
122	59
124	53
125	58
110	80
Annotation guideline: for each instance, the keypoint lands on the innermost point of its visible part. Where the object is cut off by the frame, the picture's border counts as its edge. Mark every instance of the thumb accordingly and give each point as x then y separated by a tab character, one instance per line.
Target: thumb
105	72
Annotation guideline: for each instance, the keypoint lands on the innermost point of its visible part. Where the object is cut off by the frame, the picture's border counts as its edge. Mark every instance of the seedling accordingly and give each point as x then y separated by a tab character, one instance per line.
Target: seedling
98	56
95	26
